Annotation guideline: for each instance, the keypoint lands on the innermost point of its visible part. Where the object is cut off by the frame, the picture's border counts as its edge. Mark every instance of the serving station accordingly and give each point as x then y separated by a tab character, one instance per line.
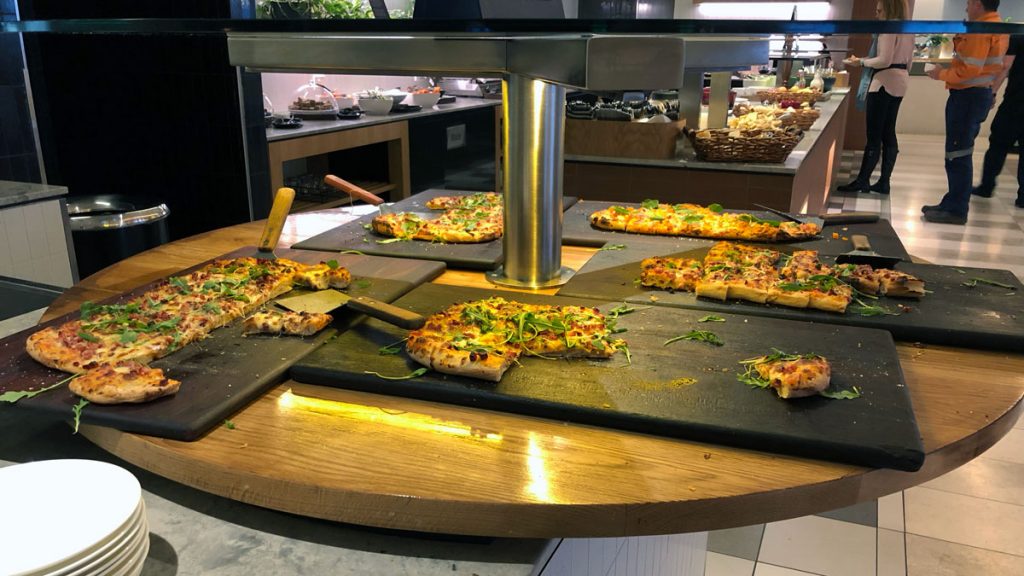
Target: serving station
378	458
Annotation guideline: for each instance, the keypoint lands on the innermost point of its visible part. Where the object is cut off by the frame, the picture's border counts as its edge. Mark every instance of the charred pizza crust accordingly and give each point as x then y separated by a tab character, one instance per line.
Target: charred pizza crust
123	382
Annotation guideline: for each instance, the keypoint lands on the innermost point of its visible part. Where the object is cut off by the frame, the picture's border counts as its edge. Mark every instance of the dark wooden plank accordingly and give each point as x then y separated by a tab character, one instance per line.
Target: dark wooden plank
220	374
355	236
986	317
876	430
577	231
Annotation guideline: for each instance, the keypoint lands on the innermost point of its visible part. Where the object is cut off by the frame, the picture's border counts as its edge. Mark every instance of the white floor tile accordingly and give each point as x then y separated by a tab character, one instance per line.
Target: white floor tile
965	520
890	512
721	565
929	557
820	545
20	322
1010	448
892	553
772	570
985	478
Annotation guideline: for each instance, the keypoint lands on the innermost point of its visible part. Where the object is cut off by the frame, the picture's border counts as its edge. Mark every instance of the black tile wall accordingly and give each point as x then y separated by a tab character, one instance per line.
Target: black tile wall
17	144
144	116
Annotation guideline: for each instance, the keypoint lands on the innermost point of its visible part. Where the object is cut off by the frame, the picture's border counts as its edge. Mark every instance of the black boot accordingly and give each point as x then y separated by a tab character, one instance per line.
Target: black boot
863	181
888	163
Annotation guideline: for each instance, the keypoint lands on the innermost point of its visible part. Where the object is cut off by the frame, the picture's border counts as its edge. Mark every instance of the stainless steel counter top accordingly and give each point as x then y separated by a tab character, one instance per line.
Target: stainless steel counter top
12	193
311	127
685	158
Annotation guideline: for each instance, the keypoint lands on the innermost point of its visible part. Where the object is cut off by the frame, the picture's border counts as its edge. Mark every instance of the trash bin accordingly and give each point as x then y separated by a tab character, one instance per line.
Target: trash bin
108	228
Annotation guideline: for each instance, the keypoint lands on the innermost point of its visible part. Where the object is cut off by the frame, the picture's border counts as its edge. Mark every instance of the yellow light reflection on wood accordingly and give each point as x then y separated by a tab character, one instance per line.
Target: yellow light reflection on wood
408	420
539	486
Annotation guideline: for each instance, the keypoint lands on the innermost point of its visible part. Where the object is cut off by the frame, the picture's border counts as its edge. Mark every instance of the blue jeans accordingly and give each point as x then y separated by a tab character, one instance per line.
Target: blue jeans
965	111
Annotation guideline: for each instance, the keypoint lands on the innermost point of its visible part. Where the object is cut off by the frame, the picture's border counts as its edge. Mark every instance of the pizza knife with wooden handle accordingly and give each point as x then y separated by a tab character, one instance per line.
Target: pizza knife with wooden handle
324	301
275	224
365	195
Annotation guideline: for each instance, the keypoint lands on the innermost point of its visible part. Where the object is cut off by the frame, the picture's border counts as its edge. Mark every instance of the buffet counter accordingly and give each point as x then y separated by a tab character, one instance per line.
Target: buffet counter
318	137
801	184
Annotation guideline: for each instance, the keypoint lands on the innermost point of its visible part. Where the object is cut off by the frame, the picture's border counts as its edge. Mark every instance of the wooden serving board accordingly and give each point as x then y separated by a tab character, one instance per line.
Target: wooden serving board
218	375
577	231
355	236
984	316
877	429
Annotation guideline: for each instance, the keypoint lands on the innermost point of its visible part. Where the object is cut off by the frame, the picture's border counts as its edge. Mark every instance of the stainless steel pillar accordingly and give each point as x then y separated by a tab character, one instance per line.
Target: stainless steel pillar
534	123
690	94
718	103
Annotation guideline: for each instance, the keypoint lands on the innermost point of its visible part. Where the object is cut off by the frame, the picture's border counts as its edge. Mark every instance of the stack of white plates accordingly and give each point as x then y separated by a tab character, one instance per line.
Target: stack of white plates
71	518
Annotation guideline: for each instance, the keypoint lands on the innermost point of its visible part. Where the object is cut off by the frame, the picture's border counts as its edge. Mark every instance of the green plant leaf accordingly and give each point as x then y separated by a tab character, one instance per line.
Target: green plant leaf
391	349
841	394
229	424
716	207
391	240
711	318
415	374
649	203
697	336
76	410
612	247
332	264
15	395
974	282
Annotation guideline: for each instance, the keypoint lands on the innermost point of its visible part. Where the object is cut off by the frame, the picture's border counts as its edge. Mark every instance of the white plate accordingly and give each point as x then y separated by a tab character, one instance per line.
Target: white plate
57	511
123	561
116	544
134	566
113	556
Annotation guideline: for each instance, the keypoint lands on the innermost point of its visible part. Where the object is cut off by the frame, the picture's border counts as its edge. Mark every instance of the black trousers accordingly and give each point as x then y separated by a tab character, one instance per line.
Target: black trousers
882	110
1007	130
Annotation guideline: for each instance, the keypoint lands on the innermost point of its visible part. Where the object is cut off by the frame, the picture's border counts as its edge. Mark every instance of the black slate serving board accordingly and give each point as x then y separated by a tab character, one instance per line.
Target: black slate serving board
577	231
218	375
355	236
984	316
877	429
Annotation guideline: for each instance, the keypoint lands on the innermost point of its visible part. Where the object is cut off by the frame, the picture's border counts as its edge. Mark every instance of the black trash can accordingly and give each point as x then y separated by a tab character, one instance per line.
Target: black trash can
108	228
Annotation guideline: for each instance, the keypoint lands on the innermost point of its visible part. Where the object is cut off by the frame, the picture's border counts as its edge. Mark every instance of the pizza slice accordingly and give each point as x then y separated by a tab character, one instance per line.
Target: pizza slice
403	225
483	339
123	382
322	276
752	284
803	264
862	277
716	281
790	375
899	284
288	323
670	273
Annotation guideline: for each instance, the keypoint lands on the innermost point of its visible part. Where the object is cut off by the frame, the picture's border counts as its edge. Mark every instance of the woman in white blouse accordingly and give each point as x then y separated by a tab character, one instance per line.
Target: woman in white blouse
885	78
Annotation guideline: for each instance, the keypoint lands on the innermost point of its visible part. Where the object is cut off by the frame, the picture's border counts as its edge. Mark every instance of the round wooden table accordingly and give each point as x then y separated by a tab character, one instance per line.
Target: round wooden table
415	465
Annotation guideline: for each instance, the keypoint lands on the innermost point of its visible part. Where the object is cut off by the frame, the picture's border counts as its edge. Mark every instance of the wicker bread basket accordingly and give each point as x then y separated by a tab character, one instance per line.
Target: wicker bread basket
802	118
723	145
776	96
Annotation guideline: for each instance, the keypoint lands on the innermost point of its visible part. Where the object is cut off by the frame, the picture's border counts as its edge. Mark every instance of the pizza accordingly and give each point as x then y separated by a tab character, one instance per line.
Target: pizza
123	382
464	220
653	217
671	273
170	315
732	271
290	323
790	375
483	339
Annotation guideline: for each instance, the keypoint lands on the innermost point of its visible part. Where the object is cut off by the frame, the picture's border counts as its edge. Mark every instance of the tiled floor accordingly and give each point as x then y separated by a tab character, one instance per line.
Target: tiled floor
966	523
969	522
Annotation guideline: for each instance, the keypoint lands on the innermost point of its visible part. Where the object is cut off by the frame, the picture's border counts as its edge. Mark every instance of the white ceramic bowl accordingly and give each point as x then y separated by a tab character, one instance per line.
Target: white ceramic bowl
376	107
427	100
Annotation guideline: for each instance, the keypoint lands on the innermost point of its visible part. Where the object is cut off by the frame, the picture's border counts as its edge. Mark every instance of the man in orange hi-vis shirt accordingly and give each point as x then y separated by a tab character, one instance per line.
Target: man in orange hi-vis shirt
977	60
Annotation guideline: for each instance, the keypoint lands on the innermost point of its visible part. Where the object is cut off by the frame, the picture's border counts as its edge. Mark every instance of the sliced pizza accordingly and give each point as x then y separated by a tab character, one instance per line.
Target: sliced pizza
123	382
287	323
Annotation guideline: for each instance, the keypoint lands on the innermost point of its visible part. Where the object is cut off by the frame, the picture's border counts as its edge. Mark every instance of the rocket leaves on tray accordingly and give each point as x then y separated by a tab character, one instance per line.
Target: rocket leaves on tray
711	318
415	374
391	349
698	336
76	410
974	282
15	395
